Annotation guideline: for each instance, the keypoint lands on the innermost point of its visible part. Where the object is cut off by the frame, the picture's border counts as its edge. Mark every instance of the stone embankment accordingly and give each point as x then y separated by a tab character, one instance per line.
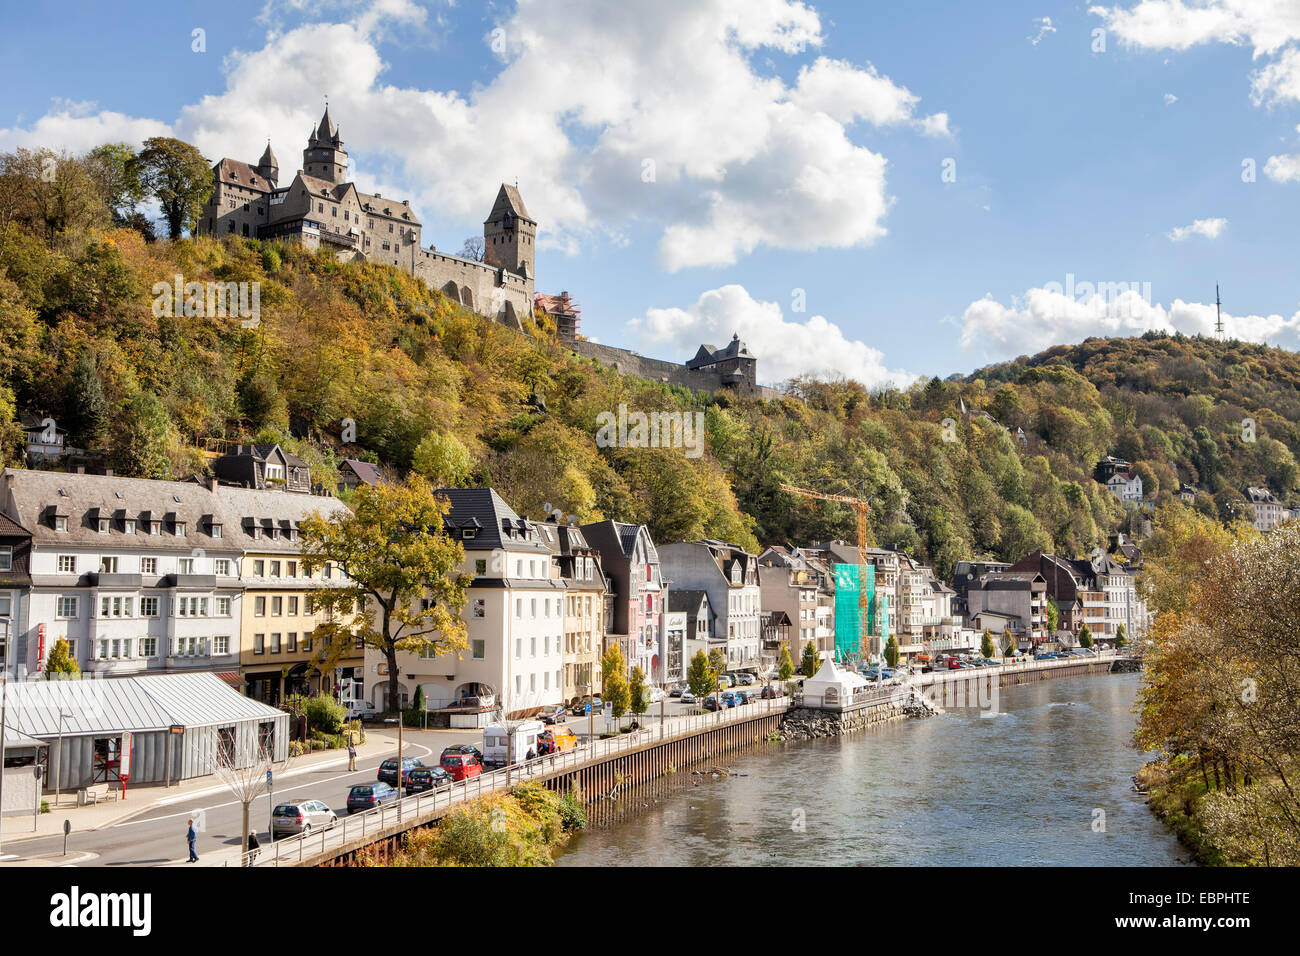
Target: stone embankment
801	723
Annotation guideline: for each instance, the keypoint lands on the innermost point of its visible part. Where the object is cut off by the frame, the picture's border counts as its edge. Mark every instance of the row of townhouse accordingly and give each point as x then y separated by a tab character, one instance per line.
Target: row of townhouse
142	576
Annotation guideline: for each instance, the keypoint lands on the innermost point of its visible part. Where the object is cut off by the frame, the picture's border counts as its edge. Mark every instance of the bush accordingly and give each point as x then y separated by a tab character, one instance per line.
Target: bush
325	715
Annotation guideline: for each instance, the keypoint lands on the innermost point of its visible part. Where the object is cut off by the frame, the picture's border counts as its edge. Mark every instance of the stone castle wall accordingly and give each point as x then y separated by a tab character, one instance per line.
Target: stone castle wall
656	370
475	285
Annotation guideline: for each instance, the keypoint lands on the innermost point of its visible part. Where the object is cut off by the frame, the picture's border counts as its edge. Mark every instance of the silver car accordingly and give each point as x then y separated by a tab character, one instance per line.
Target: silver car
290	818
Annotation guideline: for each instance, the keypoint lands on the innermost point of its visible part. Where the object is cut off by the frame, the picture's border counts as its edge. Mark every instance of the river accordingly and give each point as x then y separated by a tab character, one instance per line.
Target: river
1044	782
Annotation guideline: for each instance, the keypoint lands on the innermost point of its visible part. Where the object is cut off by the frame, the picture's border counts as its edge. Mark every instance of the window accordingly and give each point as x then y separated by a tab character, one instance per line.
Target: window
292	641
223	607
221	645
148	647
532	647
519	647
477	650
293	606
259	643
480	566
221	567
60	523
306	642
277	606
103	526
148	565
6	558
259	569
108	565
479	608
291	569
179	529
67	564
67	607
187	565
275	569
309	604
259	607
275	643
128	525
148	607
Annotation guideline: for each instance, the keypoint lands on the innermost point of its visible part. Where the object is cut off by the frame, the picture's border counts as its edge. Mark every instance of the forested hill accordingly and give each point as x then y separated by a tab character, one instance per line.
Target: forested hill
431	386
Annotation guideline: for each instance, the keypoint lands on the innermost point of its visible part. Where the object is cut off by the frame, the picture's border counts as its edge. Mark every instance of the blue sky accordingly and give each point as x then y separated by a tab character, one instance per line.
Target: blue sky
795	147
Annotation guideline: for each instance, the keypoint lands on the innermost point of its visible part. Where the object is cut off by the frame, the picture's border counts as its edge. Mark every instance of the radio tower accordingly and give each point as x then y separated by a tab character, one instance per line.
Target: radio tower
1218	312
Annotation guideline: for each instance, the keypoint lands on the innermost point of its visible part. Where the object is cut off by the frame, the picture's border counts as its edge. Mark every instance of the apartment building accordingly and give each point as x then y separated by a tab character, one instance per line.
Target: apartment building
730	576
584	610
638	594
279	613
1010	603
137	575
1266	511
514	616
789	584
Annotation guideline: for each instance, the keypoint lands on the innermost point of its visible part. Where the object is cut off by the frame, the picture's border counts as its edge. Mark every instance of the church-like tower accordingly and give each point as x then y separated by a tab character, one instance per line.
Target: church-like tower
268	167
325	158
509	233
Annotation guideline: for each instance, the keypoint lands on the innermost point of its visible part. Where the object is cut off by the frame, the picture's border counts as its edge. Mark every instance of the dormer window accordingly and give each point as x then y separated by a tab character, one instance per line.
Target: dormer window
128	525
155	527
469	533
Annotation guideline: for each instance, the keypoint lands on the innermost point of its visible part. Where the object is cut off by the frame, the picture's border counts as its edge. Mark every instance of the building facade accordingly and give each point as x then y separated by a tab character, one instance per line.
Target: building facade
730	576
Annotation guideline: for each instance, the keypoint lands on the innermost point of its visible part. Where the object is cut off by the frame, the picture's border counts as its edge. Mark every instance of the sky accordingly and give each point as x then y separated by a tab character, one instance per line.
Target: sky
877	190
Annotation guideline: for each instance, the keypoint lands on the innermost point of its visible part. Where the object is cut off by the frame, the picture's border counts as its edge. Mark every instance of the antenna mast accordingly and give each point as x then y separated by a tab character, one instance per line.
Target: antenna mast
1218	312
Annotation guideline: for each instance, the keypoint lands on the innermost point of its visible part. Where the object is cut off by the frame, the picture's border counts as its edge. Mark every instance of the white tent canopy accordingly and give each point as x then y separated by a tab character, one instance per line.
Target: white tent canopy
831	687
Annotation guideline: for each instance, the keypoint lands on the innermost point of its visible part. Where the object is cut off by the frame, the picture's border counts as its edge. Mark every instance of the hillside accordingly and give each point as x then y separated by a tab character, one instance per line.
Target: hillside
430	385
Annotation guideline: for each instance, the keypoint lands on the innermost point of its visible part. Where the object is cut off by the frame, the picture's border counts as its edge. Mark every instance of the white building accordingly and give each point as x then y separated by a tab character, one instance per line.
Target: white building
514	615
136	575
729	575
1126	486
1268	511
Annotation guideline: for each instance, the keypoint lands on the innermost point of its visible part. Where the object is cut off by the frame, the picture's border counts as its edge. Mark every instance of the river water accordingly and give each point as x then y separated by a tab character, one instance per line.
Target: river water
1045	781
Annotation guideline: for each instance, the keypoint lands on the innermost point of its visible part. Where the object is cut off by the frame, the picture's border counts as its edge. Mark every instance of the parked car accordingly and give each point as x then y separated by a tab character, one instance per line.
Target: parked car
711	703
729	698
461	766
579	709
871	673
552	714
388	770
747	679
768	693
427	778
290	818
687	697
362	710
677	692
367	796
468	749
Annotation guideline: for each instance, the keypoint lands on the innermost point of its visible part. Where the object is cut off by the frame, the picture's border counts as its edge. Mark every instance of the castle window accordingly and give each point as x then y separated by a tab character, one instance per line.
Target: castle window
390	227
320	207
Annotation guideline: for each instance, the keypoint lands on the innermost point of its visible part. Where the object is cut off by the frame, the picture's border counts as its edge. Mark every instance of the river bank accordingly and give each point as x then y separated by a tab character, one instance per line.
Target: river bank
1046	781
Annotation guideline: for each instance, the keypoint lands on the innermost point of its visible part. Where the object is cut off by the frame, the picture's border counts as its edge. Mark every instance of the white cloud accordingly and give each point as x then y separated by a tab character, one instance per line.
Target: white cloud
785	348
1045	27
1170	99
587	95
1045	317
77	127
1209	228
1270	27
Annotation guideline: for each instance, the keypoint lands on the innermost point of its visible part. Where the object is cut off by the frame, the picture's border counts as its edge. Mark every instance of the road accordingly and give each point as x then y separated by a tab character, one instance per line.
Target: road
156	837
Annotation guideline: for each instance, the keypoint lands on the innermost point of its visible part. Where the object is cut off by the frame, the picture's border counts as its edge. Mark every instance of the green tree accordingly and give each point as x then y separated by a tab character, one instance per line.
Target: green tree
638	693
1009	649
700	676
785	666
114	166
891	651
613	668
1085	637
986	644
178	177
141	436
443	459
60	663
1121	637
810	661
718	661
87	407
402	589
1053	616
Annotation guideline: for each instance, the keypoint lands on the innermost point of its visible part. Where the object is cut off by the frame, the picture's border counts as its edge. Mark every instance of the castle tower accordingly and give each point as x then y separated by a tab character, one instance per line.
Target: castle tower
509	233
267	167
325	158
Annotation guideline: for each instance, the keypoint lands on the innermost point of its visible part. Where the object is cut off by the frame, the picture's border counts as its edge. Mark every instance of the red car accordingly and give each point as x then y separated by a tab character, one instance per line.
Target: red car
461	766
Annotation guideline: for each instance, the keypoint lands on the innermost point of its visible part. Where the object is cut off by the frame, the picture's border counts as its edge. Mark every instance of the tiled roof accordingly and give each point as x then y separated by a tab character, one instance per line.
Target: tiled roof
487	511
365	471
241	174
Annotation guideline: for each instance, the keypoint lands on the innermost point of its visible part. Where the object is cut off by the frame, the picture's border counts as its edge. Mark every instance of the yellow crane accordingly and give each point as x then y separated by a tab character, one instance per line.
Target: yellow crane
862	509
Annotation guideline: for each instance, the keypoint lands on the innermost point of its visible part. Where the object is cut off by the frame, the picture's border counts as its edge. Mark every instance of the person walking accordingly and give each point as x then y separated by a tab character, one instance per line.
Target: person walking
352	755
191	837
253	846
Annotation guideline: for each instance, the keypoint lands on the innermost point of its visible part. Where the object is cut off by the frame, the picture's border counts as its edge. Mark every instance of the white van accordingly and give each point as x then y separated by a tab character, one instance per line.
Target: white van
361	709
504	745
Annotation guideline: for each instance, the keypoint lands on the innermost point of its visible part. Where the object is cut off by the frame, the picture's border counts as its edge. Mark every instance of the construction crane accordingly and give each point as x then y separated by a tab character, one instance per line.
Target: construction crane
862	508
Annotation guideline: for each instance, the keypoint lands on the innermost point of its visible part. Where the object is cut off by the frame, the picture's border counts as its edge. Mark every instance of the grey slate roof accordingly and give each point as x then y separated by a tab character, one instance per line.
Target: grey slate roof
138	704
497	523
244	506
364	470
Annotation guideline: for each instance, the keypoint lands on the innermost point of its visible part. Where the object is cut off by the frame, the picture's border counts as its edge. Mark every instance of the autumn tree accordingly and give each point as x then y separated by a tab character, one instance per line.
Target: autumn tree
637	691
176	175
986	644
701	678
401	590
61	664
613	667
784	665
810	661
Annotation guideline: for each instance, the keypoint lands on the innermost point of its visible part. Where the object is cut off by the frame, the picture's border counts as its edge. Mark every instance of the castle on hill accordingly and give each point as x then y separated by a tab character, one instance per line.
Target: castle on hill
321	208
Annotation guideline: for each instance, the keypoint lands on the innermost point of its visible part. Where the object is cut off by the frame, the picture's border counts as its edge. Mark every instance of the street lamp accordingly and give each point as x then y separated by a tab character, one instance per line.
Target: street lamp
58	758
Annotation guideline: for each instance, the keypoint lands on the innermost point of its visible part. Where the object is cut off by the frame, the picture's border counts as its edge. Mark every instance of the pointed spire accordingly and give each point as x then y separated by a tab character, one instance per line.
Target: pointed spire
268	158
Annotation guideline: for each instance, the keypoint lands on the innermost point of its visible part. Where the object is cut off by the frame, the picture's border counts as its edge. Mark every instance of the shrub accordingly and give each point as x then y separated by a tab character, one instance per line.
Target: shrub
325	715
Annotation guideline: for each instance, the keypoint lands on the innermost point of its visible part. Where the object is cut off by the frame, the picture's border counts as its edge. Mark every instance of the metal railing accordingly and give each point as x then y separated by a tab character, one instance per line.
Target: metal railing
299	847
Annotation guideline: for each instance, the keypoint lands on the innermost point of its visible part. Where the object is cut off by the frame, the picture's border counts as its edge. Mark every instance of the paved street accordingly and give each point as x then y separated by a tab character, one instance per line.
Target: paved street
157	836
